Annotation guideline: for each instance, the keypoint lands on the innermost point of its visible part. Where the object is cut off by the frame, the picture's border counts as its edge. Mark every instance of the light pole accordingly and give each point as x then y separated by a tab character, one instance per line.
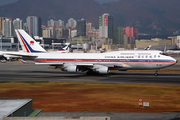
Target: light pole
53	45
1	41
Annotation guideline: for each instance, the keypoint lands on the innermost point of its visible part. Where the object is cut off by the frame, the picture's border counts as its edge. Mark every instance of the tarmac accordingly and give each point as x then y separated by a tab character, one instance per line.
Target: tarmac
15	71
116	116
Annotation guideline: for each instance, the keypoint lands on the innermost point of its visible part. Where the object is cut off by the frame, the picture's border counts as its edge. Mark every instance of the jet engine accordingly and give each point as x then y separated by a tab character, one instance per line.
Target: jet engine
103	70
71	68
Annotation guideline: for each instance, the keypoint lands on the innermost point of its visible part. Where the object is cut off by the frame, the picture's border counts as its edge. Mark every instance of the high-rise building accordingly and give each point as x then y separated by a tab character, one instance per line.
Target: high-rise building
59	33
49	32
1	25
34	26
71	23
61	23
88	27
8	30
111	26
118	36
131	32
50	23
106	26
93	33
81	27
17	24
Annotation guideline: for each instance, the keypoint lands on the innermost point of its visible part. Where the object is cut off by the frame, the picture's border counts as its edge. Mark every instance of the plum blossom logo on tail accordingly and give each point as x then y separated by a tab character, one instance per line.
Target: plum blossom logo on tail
32	42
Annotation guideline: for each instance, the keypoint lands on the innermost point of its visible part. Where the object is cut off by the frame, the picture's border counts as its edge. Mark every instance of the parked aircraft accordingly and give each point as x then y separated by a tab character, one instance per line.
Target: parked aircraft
4	56
65	48
148	48
173	51
94	62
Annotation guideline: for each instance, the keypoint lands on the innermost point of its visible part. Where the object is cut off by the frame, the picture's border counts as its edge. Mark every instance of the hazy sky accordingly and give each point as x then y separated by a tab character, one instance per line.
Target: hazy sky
4	2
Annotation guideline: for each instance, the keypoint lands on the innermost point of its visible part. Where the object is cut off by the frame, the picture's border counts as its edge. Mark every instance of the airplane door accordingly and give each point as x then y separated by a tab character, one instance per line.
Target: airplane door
150	61
140	62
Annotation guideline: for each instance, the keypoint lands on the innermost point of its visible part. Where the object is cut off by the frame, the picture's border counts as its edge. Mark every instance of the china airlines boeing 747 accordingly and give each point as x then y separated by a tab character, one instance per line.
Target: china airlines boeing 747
94	62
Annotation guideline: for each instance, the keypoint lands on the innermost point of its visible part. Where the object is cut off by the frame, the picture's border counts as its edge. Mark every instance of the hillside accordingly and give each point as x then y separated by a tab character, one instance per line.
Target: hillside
160	17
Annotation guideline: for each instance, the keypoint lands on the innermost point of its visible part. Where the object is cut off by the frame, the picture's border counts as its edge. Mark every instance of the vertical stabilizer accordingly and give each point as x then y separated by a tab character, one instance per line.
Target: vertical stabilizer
65	48
28	44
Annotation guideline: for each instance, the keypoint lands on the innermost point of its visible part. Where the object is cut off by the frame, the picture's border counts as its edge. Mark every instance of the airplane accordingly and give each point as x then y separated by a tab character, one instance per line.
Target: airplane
100	63
173	51
5	57
4	54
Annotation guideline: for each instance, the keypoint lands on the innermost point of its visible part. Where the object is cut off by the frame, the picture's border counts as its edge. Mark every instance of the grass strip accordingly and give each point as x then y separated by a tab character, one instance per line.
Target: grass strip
95	97
34	113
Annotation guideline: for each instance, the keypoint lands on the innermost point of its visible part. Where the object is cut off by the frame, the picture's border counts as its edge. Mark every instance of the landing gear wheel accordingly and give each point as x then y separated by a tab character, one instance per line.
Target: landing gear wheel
156	74
90	72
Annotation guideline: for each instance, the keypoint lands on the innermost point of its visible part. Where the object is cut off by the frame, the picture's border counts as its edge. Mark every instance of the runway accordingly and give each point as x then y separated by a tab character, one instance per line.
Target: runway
15	71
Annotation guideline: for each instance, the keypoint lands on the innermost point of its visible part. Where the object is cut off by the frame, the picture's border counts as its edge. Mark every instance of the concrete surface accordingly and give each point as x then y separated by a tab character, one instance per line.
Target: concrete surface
15	71
8	106
57	118
116	116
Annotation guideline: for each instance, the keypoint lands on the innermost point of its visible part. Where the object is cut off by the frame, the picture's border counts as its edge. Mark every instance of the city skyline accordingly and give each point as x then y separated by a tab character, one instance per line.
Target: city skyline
151	17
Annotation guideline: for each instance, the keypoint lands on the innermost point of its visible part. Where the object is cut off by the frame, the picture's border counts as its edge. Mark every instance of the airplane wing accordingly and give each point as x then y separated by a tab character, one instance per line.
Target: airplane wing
120	65
21	54
58	64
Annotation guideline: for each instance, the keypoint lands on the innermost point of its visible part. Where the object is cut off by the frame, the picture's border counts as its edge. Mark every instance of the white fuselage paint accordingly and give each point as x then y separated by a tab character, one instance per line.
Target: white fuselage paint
134	59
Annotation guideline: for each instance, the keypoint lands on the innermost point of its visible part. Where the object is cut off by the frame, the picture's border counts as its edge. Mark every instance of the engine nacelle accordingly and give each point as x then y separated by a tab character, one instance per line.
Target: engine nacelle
103	70
71	68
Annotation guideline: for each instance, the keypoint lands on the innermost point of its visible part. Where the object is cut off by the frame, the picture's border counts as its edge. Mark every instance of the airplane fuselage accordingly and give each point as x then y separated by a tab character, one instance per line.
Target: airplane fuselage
130	59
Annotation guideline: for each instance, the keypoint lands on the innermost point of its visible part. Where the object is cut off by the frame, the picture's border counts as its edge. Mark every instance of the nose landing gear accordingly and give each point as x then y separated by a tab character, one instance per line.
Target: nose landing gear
156	74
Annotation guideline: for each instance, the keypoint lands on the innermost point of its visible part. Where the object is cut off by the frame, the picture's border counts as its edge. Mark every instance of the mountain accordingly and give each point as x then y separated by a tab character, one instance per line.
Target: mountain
54	9
156	17
4	2
104	1
151	16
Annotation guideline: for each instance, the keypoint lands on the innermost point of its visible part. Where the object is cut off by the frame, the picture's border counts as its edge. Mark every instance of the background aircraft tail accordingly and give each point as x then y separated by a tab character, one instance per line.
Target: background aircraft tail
148	48
65	48
28	44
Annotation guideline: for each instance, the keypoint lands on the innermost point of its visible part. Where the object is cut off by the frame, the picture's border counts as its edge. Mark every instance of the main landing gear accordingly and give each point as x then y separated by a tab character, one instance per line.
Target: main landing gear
156	74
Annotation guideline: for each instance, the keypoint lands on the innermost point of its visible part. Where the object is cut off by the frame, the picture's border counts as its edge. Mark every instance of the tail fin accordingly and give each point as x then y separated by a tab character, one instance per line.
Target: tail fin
65	48
28	44
148	48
